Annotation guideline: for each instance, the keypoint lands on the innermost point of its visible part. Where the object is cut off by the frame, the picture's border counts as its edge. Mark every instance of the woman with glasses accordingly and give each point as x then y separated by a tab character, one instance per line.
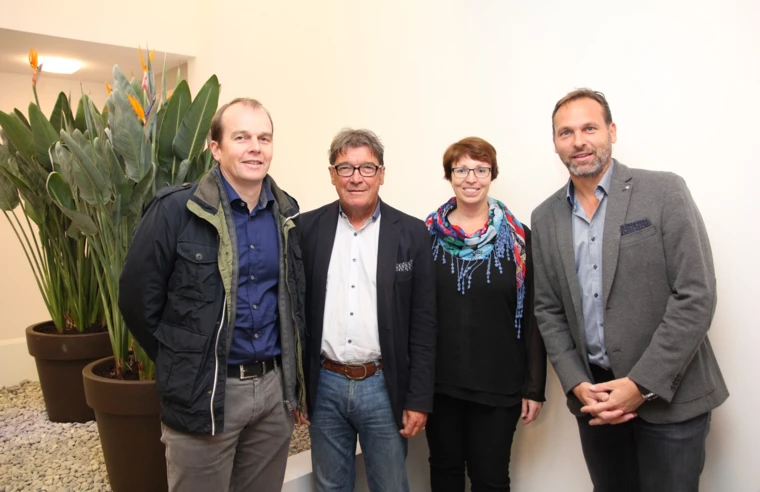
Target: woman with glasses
490	360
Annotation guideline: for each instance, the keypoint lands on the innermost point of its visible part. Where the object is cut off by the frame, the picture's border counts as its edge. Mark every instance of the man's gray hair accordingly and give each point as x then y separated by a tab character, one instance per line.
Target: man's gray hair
348	138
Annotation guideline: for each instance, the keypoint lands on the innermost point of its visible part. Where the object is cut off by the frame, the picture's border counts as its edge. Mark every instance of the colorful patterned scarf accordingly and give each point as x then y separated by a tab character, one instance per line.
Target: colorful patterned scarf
498	239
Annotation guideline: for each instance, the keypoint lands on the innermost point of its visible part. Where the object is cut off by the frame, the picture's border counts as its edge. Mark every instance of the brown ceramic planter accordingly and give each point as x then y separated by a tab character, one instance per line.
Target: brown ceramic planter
60	360
127	413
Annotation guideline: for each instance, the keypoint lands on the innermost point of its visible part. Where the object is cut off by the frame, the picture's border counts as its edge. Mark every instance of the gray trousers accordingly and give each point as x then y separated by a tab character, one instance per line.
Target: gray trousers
252	452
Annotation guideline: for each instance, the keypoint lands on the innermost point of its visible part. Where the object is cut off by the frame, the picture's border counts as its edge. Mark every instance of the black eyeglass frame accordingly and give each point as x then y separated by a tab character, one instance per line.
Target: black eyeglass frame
366	165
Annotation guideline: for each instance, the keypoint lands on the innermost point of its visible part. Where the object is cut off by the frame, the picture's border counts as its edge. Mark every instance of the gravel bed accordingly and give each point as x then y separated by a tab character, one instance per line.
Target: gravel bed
38	455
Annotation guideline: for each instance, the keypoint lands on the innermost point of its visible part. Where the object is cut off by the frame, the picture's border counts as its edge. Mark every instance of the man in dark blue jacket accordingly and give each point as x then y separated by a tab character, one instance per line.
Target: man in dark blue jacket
213	289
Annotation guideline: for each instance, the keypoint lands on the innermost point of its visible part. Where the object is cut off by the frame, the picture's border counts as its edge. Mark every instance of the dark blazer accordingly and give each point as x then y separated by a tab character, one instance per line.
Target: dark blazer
405	304
659	294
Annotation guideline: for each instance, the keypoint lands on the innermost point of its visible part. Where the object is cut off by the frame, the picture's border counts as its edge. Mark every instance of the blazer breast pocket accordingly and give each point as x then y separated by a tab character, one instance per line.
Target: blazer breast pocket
404	270
636	231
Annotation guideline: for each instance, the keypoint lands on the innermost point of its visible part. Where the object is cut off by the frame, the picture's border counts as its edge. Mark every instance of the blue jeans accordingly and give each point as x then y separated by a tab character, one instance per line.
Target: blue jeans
345	409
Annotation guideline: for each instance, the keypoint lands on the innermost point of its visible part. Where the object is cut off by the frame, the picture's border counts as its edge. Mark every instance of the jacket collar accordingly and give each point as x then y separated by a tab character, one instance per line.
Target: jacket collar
211	194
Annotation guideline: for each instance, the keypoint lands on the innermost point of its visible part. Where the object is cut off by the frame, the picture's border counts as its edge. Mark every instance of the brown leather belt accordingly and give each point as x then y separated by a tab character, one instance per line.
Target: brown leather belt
353	371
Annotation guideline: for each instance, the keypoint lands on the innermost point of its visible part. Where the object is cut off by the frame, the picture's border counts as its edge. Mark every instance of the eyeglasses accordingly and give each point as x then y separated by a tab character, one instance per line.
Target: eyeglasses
463	172
347	170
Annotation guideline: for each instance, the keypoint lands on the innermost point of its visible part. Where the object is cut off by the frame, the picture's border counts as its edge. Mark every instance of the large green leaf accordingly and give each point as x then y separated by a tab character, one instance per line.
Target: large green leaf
80	123
62	197
128	139
63	162
60	191
184	166
93	187
121	83
61	113
163	82
86	145
21	118
44	136
162	179
113	165
18	135
8	194
175	111
140	192
195	125
137	90
92	117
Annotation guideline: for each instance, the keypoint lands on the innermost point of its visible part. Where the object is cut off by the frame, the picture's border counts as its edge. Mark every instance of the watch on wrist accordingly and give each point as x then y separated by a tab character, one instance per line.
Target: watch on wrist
645	393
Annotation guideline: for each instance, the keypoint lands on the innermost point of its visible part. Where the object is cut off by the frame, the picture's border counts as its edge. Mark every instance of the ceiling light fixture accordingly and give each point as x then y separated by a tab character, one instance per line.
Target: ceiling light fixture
54	64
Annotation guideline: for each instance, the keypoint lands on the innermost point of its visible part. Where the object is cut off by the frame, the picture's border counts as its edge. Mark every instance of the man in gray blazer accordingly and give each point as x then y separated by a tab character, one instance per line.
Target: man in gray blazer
625	294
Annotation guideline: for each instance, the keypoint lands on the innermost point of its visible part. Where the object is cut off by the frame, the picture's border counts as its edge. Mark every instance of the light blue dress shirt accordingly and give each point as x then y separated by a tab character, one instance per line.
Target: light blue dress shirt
588	237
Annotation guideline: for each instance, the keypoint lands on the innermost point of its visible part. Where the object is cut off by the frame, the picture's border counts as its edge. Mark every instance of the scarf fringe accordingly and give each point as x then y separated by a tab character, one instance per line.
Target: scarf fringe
503	249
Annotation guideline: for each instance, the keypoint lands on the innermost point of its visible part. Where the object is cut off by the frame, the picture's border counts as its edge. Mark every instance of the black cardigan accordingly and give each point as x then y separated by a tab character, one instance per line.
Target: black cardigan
479	357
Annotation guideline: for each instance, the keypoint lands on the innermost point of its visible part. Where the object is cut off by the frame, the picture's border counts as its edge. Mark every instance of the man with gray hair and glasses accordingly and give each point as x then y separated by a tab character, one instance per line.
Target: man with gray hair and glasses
370	312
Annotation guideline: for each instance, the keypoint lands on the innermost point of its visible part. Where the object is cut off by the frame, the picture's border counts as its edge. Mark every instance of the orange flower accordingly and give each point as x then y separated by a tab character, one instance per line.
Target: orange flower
137	107
142	60
108	89
33	58
34	63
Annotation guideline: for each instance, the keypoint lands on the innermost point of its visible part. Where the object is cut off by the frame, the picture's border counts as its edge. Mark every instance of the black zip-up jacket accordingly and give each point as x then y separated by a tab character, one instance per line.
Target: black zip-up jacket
178	291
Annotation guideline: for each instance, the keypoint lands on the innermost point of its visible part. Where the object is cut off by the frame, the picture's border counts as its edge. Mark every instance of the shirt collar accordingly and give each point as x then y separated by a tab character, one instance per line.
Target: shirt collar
604	184
264	197
373	218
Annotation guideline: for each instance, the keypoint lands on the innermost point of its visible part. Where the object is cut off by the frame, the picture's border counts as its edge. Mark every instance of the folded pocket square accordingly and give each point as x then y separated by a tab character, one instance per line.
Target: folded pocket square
634	226
404	266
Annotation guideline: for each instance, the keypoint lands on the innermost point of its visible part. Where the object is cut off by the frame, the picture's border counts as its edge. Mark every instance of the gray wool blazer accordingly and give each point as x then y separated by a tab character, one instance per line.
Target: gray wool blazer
659	294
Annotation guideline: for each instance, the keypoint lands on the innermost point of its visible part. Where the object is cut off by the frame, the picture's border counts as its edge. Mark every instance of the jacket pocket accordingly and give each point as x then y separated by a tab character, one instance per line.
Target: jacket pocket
180	357
638	235
196	273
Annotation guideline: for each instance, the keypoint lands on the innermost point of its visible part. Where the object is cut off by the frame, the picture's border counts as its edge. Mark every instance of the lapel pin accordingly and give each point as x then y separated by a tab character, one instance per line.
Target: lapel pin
627	187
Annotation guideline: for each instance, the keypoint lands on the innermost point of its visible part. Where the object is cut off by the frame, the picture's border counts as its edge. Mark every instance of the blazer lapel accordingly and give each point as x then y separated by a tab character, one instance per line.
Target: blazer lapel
563	219
618	198
325	240
386	266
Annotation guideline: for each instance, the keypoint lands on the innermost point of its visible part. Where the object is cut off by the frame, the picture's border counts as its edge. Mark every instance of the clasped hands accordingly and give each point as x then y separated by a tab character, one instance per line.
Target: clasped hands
613	402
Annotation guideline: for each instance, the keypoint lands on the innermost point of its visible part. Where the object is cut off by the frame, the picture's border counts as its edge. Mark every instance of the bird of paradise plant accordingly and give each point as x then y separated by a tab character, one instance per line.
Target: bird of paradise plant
125	161
58	255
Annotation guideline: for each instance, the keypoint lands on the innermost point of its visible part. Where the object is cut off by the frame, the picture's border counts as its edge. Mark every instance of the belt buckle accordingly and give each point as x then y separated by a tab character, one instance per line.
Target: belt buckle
363	366
244	377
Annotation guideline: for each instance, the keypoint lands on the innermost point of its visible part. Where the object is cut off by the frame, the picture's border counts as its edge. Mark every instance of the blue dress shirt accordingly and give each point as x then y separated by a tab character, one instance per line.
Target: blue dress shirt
257	329
588	237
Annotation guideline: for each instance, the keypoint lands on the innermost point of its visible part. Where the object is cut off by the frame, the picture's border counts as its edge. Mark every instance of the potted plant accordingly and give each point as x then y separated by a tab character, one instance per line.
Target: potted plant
58	254
102	179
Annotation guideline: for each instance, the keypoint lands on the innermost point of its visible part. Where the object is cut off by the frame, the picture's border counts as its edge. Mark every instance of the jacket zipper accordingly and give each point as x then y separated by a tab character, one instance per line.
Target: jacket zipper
216	366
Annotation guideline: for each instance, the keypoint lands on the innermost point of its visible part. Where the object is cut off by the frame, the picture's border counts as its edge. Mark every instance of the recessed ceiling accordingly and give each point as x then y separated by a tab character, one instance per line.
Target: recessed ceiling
98	59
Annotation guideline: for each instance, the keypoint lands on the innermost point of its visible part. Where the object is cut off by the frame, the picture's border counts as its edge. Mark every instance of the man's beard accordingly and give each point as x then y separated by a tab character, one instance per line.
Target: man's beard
601	157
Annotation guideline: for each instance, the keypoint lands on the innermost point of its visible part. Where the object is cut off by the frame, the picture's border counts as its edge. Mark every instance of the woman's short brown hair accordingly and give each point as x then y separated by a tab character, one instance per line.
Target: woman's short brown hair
476	149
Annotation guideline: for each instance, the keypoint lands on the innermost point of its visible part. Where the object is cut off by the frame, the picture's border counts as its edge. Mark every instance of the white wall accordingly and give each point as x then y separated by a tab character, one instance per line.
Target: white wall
167	25
682	78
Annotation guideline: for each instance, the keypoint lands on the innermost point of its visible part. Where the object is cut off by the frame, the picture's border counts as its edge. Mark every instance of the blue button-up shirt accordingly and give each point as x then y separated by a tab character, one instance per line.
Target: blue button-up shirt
257	332
588	237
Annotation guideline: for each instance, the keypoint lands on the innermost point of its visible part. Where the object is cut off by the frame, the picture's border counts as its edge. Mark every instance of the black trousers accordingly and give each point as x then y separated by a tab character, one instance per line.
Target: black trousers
639	456
463	433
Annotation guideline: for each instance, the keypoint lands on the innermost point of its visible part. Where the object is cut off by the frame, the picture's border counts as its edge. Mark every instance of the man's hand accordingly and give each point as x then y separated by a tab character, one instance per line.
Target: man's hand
301	418
588	397
623	398
530	410
413	422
